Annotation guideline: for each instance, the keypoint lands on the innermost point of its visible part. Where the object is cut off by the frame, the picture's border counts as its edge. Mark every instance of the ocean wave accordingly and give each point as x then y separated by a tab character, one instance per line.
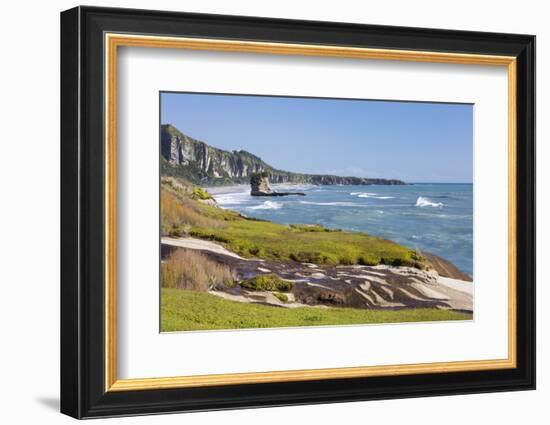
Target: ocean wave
267	205
427	202
370	195
363	194
232	198
341	204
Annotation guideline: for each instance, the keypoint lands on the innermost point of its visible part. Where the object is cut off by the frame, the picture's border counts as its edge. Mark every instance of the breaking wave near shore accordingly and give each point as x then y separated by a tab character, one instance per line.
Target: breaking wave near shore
427	202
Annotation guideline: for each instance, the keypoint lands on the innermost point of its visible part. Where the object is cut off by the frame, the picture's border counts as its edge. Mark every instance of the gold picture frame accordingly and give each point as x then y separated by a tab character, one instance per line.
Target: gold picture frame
114	41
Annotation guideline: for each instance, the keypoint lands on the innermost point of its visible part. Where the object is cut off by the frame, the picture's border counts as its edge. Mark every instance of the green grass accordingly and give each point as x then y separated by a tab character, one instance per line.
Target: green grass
312	244
312	228
184	310
248	237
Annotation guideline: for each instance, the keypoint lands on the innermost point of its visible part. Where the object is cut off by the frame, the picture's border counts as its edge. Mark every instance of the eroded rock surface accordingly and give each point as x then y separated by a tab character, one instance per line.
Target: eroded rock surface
372	287
446	268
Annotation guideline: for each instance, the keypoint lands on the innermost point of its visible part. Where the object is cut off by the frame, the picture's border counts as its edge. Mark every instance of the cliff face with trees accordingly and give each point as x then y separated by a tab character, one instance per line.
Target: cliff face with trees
183	156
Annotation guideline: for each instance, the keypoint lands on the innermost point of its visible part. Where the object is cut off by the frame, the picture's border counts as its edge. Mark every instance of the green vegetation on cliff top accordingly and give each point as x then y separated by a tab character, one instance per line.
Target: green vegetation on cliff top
184	310
267	240
260	239
253	238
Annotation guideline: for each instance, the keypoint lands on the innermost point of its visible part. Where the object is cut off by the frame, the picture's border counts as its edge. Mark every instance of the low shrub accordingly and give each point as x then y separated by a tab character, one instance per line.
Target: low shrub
312	228
366	260
416	255
208	235
256	251
346	261
175	184
185	269
398	262
198	193
281	297
308	257
177	212
180	231
267	282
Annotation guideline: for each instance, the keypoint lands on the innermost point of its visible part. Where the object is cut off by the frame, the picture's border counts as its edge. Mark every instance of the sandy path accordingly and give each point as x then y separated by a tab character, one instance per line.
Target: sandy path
199	244
457	285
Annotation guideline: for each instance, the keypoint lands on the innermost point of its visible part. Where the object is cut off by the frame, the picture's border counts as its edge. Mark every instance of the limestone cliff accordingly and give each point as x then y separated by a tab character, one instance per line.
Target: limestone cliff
199	162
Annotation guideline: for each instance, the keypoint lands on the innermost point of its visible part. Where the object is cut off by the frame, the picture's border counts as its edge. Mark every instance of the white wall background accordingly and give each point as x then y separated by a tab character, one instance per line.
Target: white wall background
29	224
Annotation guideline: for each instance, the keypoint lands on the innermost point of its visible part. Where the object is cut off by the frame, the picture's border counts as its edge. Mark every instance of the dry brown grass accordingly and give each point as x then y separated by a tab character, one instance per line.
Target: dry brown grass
178	213
185	269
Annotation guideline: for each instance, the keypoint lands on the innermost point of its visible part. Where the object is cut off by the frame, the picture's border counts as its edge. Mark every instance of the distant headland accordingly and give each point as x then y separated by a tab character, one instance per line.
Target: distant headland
200	163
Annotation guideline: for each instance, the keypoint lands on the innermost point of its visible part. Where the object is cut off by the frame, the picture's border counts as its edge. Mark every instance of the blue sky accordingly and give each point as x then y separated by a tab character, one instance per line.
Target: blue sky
412	141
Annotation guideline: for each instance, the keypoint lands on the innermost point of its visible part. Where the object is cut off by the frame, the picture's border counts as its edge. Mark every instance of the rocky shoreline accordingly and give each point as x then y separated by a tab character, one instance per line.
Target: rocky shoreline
355	286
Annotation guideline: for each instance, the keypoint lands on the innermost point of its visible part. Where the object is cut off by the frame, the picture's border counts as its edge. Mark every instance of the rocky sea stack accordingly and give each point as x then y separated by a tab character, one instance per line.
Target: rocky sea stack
259	186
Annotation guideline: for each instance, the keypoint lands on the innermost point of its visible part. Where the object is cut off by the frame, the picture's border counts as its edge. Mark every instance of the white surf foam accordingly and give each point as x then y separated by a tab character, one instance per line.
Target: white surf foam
230	195
232	198
427	202
341	204
363	194
370	195
267	205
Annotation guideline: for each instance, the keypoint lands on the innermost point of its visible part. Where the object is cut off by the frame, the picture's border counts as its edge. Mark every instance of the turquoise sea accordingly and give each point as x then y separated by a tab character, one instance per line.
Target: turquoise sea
434	217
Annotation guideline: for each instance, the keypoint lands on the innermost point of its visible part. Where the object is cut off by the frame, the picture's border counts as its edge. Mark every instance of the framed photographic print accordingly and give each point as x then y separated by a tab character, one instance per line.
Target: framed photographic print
261	212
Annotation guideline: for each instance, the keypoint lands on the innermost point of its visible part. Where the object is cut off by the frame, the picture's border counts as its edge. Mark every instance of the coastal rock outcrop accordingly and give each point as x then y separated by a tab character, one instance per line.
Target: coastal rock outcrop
200	163
446	268
356	286
259	186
